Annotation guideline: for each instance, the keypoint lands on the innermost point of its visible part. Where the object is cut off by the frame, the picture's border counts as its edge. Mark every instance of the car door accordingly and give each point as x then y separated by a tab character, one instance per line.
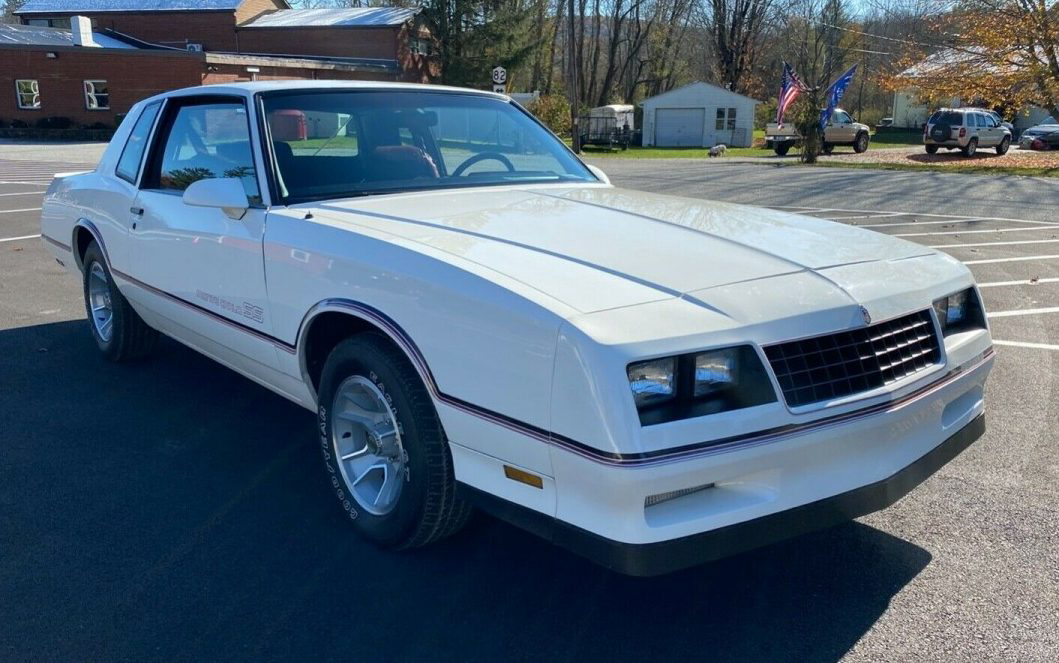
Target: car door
202	269
841	128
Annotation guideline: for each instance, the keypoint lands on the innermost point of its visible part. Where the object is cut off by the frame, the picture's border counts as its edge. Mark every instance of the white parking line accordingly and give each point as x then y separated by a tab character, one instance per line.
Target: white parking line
974	232
24	209
1016	259
1018	241
999	284
868	211
1024	311
1023	344
18	239
21	193
863	216
30	183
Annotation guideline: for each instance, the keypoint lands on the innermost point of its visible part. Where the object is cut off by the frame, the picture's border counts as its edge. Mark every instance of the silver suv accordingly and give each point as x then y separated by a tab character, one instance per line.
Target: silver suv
966	129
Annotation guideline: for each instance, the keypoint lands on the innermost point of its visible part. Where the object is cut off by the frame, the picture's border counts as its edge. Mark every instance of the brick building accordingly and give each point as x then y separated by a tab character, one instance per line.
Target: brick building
120	51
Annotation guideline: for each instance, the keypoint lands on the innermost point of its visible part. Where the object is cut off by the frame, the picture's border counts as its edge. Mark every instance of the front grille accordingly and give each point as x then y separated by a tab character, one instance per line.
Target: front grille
832	366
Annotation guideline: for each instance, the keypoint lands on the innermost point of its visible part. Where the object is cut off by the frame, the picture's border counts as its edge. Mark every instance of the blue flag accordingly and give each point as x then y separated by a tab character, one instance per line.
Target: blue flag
834	94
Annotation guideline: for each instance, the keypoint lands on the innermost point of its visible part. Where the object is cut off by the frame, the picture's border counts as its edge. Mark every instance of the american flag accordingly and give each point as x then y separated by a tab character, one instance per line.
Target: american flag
790	86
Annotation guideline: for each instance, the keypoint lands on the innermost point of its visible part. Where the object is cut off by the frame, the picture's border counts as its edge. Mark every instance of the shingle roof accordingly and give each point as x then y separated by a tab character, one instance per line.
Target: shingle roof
96	6
356	17
31	35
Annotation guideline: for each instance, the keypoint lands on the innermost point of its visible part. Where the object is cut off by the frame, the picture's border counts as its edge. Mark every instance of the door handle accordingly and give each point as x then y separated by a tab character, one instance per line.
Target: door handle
138	211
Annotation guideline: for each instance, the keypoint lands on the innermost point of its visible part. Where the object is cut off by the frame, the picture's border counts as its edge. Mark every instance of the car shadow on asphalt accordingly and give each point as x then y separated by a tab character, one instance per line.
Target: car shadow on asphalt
170	509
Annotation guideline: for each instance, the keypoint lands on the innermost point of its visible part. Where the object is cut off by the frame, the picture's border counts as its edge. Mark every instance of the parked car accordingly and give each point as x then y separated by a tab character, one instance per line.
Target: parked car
964	129
1040	137
884	123
478	318
841	130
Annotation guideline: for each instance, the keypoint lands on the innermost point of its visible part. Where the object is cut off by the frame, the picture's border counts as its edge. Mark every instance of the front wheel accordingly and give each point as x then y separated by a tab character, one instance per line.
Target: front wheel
119	332
931	149
971	148
861	144
1002	148
384	449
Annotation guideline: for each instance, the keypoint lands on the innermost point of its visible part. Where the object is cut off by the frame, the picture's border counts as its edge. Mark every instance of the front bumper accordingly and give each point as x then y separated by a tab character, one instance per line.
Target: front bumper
649	559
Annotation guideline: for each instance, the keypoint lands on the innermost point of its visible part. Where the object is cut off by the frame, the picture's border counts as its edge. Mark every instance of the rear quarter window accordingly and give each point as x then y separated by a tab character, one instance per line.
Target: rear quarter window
947	117
132	154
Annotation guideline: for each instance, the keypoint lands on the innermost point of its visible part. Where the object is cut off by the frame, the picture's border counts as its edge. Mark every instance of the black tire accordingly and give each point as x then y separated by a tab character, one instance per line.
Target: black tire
427	508
782	149
1002	148
971	147
827	148
940	133
860	144
129	338
931	149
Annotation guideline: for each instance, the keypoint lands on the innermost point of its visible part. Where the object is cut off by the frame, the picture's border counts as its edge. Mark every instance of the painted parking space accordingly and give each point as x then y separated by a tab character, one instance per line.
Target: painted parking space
1015	262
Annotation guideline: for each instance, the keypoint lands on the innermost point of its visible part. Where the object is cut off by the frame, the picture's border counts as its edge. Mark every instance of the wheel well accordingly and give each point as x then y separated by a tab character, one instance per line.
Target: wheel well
327	330
82	238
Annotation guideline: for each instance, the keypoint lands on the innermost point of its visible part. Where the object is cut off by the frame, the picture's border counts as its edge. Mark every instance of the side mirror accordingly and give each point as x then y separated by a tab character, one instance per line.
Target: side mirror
598	172
223	193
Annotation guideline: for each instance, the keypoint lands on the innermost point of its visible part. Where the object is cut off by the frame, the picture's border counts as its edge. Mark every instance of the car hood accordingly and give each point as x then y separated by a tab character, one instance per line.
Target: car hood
598	247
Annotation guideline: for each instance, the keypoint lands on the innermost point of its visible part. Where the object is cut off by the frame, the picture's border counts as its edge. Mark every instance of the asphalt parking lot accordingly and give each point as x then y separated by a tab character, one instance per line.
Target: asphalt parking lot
172	510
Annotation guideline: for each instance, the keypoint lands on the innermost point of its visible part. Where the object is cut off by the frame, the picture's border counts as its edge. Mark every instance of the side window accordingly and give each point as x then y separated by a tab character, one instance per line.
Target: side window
206	141
719	124
731	119
132	154
97	95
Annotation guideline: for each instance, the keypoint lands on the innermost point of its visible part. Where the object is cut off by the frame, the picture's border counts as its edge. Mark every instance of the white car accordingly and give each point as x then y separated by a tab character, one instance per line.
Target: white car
480	318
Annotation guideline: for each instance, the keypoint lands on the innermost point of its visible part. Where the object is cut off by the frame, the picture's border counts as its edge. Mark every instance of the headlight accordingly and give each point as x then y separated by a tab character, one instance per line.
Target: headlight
959	312
697	384
652	382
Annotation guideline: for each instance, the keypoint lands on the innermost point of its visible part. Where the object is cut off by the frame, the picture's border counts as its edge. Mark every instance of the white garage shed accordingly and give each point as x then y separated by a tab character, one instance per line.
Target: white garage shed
698	115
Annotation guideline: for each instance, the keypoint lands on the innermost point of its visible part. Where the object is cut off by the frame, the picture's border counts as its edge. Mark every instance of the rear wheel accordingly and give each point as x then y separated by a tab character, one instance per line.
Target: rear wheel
861	144
970	148
1002	148
931	149
118	330
384	448
782	149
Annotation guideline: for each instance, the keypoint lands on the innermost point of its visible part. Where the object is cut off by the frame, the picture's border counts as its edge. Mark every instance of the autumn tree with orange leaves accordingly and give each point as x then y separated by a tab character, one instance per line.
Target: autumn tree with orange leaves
1000	53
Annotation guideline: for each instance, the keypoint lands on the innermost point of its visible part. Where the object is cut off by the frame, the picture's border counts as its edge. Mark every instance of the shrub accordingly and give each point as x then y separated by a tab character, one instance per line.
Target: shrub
4	123
554	111
19	124
54	123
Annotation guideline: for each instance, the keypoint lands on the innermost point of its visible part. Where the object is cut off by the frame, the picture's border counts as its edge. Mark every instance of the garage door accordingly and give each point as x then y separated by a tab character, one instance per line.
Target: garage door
679	127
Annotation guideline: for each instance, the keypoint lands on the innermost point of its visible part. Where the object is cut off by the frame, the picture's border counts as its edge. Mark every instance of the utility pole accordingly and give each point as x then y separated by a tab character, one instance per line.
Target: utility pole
575	67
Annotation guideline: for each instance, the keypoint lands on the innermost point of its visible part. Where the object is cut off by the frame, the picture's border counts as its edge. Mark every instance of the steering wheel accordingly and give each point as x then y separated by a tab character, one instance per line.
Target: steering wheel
484	156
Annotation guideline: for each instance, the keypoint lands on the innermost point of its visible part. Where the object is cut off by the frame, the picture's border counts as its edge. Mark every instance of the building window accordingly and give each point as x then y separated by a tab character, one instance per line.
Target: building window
28	93
725	120
419	45
63	23
97	95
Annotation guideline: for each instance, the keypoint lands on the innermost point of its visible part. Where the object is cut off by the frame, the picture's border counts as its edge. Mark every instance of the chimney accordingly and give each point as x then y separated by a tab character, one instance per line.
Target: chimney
81	27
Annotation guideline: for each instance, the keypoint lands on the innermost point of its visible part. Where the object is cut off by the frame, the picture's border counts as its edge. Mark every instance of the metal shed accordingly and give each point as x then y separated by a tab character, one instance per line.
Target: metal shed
698	115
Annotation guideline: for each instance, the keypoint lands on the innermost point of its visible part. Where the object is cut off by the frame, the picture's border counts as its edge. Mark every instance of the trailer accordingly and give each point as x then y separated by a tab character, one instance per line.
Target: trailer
611	126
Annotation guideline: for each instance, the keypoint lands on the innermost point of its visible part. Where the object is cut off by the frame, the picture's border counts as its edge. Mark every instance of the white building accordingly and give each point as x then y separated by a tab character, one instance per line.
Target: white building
698	115
911	112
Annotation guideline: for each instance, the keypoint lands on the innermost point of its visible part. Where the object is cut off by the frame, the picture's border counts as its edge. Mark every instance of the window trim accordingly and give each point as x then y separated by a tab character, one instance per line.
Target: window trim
164	124
19	93
147	145
85	93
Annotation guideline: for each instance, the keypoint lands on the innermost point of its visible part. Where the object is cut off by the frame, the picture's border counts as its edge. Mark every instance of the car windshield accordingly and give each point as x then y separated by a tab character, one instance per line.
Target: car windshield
344	143
947	117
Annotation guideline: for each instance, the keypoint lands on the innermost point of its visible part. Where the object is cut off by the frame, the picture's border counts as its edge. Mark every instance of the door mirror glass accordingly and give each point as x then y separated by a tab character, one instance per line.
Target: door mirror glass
223	193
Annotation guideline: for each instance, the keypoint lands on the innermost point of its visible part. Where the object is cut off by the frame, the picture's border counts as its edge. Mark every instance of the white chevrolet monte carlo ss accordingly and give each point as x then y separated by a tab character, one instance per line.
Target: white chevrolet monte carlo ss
479	318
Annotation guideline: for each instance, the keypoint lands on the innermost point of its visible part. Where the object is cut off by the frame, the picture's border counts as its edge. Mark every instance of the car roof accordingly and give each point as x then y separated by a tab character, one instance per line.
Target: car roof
251	88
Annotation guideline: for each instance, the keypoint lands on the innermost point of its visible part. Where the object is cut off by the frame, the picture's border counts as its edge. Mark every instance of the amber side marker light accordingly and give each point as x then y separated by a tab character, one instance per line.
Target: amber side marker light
522	476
